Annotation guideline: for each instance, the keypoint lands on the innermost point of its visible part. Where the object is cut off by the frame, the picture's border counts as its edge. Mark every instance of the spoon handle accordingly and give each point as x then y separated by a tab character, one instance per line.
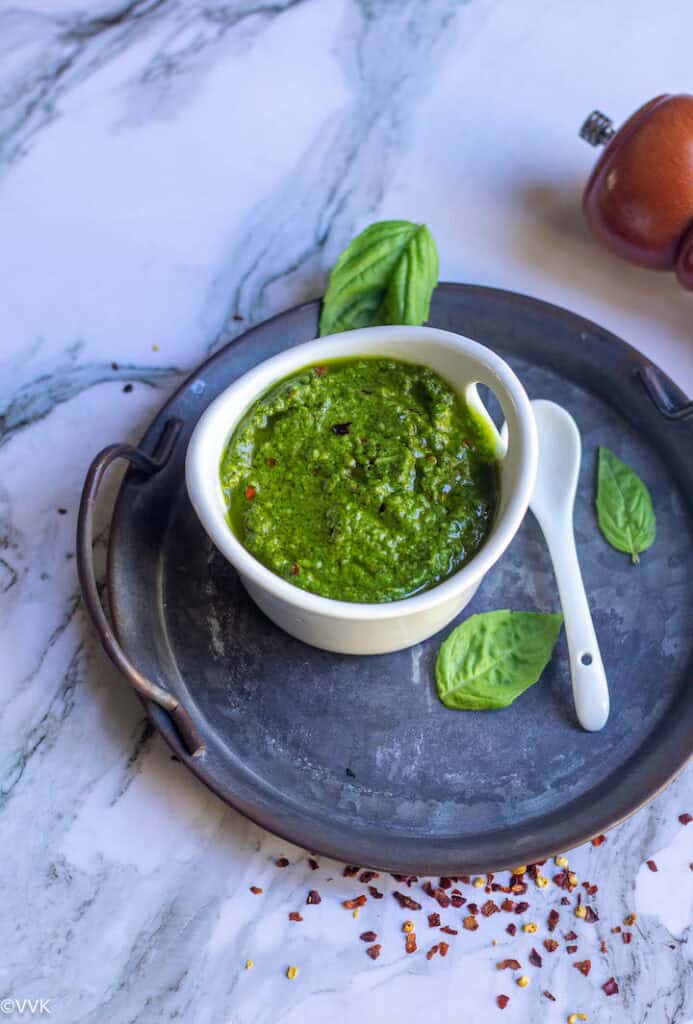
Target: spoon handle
590	689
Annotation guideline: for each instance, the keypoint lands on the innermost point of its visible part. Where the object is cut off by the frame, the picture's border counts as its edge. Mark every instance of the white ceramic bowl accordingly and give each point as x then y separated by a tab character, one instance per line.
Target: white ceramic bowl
343	626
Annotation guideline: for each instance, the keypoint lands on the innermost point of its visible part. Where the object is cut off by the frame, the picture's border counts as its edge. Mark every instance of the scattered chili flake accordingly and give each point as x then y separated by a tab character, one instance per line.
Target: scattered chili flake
652	865
508	905
407	879
627	937
571	949
374	951
598	840
236	316
410	943
368	936
591	890
630	919
433	920
444	947
127	389
314	897
497	887
432	952
553	919
611	987
282	862
616	930
358	901
570	936
457	900
350	870
513	965
565	902
255	889
313	864
375	893
62	511
406	901
470	923
270	462
295	916
489	908
341	428
583	966
368	876
519	888
473	908
320	370
603	948
549	995
550	945
448	930
520	908
250	492
511	929
535	958
686	818
591	915
465	879
445	883
502	1001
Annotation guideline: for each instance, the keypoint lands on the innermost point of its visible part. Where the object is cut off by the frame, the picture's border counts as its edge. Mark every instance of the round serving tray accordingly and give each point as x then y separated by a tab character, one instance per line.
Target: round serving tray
354	756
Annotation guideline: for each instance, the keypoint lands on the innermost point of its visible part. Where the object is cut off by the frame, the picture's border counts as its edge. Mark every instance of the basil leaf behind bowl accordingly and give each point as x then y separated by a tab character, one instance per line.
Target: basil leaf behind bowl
492	658
624	506
386	275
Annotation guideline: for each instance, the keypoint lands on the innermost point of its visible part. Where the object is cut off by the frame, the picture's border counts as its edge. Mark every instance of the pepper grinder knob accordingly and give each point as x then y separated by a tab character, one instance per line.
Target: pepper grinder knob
597	129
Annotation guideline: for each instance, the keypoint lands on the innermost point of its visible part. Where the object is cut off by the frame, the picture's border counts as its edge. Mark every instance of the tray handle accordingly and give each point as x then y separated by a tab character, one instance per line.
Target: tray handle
673	406
149	465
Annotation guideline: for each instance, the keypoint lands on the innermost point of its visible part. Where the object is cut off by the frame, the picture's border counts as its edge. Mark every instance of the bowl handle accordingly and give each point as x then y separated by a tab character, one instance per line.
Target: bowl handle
148	690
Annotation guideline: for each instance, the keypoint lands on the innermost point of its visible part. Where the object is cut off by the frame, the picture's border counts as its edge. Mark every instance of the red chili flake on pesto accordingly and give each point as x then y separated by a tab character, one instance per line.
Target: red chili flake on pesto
368	876
598	840
368	936
282	862
611	987
359	901
570	936
489	908
549	995
535	958
350	870
550	945
444	947
255	889
652	865
583	966
432	952
313	864
627	937
508	905
433	920
470	923
513	965
375	893
250	492
374	951
320	370
314	897
410	943
406	901
591	915
571	949
448	930
686	818
521	907
553	919
502	1001
295	916
511	929
270	462
457	900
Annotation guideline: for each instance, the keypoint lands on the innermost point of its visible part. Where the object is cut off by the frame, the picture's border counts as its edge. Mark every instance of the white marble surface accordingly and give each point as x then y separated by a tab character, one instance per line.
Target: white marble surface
166	164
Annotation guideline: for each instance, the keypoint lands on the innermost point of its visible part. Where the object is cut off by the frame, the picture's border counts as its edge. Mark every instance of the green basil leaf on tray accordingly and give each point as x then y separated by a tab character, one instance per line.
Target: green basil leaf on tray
386	275
492	658
624	506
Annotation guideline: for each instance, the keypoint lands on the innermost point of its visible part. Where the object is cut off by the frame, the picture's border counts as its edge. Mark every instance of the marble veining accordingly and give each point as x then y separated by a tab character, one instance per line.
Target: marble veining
172	172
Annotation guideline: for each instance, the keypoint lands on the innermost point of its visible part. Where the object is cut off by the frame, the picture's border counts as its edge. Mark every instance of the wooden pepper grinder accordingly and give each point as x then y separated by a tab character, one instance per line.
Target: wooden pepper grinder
639	198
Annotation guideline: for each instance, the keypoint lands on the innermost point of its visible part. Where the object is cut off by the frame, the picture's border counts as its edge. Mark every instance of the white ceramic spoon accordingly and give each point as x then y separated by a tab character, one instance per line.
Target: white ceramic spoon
552	504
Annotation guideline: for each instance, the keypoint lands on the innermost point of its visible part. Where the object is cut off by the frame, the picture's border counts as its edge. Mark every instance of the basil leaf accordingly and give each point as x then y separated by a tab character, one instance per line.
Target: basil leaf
492	658
624	506
385	276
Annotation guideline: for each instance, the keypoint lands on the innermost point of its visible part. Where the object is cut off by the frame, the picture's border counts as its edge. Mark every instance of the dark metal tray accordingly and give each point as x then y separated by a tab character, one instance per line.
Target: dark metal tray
354	756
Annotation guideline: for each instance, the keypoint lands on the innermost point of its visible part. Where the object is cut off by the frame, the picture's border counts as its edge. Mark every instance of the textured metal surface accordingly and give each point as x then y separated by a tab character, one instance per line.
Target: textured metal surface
356	757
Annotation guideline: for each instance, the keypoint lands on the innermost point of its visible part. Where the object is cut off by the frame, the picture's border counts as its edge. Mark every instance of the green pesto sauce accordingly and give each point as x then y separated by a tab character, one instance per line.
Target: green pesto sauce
365	479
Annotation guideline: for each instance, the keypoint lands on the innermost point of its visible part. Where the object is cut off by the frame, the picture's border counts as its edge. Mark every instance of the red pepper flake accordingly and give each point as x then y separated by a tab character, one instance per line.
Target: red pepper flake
255	889
406	901
549	995
652	865
320	370
550	945
410	943
519	888
511	929
571	949
570	936
282	862
513	965
407	879
432	952
473	908
565	901
533	871
591	890
603	948
508	905
686	818
520	908
627	937
616	930
295	916
611	987
553	919
250	492
295	569
350	870
441	897
497	887
374	951
470	923
465	879
630	920
535	958
368	936
444	947
444	883
583	966
433	920
502	1001
490	908
359	901
457	900
313	864
591	915
314	897
375	893
368	876
598	840
270	462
